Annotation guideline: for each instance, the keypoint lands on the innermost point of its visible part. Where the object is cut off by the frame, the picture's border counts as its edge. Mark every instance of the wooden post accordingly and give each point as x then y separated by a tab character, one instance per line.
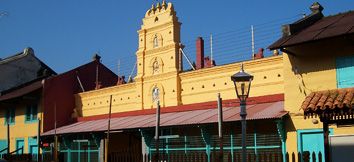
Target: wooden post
109	128
157	137
326	140
220	121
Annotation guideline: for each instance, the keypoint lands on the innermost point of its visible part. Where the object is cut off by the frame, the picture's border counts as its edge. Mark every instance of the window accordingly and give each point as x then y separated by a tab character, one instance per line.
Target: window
155	67
31	112
156	42
155	94
10	116
345	71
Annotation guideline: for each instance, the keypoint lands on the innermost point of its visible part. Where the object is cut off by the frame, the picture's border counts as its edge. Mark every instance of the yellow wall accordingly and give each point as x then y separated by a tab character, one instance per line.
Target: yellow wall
267	72
21	128
268	79
124	98
159	66
304	74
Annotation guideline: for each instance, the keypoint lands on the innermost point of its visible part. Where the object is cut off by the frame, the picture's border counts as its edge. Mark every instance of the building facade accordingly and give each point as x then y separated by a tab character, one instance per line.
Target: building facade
28	109
185	98
318	59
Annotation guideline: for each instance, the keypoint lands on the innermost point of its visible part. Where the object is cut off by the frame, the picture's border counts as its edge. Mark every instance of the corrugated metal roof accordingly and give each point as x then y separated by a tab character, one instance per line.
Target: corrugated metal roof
327	27
272	110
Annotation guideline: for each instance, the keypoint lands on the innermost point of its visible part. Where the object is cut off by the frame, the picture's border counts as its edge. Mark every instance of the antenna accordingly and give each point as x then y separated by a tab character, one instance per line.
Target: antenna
118	67
130	76
188	60
252	31
211	48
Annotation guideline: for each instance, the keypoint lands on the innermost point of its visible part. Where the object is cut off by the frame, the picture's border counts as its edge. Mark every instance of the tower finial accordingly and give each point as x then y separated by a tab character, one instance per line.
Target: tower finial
242	67
158	5
316	7
164	4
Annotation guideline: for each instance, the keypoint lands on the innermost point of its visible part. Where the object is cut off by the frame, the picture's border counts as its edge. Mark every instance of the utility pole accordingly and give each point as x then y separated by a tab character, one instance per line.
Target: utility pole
109	126
220	123
157	137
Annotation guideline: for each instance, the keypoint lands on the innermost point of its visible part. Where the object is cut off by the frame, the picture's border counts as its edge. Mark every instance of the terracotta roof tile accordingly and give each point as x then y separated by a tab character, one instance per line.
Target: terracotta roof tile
322	100
337	102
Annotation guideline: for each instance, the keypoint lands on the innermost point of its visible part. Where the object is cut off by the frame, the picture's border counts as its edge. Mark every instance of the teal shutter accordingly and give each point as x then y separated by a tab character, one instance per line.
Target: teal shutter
7	116
31	113
33	146
3	145
34	112
28	113
345	71
12	116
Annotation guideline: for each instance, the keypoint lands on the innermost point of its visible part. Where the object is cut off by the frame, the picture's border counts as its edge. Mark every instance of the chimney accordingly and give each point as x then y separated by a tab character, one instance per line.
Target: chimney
96	57
121	80
200	53
316	14
259	55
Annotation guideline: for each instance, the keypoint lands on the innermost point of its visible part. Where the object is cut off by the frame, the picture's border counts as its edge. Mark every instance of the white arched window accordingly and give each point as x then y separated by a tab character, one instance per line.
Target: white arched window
155	94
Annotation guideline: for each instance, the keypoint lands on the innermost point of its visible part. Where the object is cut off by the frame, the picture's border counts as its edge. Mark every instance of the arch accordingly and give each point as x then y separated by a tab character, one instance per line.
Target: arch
156	65
156	40
161	94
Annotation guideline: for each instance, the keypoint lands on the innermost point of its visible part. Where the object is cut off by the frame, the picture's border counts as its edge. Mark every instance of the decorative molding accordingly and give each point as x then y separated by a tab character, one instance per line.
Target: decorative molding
161	49
188	93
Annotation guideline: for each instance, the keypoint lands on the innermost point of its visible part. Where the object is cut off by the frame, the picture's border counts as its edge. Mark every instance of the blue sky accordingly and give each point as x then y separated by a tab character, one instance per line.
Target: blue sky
66	33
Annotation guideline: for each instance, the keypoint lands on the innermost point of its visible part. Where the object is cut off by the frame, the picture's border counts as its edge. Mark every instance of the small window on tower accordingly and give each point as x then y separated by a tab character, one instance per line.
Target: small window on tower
155	94
156	42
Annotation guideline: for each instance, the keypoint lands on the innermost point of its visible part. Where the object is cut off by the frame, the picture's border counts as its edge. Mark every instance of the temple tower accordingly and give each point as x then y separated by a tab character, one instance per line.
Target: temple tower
158	57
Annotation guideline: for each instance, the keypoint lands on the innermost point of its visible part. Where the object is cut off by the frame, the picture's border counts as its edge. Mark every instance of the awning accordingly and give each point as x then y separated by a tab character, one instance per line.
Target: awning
22	91
272	110
330	104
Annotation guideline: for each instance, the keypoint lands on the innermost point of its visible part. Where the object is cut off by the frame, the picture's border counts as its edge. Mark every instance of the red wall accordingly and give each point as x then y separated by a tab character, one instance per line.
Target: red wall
58	91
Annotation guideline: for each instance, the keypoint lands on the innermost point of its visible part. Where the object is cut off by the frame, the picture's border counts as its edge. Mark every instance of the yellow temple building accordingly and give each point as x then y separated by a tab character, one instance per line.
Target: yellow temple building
188	99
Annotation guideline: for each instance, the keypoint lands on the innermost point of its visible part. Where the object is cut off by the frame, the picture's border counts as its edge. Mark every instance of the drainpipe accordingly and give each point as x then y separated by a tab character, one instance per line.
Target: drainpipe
326	141
157	130
220	121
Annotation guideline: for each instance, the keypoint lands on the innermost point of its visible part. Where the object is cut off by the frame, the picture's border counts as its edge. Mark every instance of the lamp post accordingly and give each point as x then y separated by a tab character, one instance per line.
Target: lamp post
242	82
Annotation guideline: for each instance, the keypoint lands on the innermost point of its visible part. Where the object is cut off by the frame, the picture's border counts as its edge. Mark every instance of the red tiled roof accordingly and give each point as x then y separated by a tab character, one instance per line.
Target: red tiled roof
327	27
22	91
270	110
338	101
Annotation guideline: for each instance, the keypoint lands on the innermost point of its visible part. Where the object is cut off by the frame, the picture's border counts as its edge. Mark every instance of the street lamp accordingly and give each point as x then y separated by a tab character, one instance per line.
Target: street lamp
242	82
